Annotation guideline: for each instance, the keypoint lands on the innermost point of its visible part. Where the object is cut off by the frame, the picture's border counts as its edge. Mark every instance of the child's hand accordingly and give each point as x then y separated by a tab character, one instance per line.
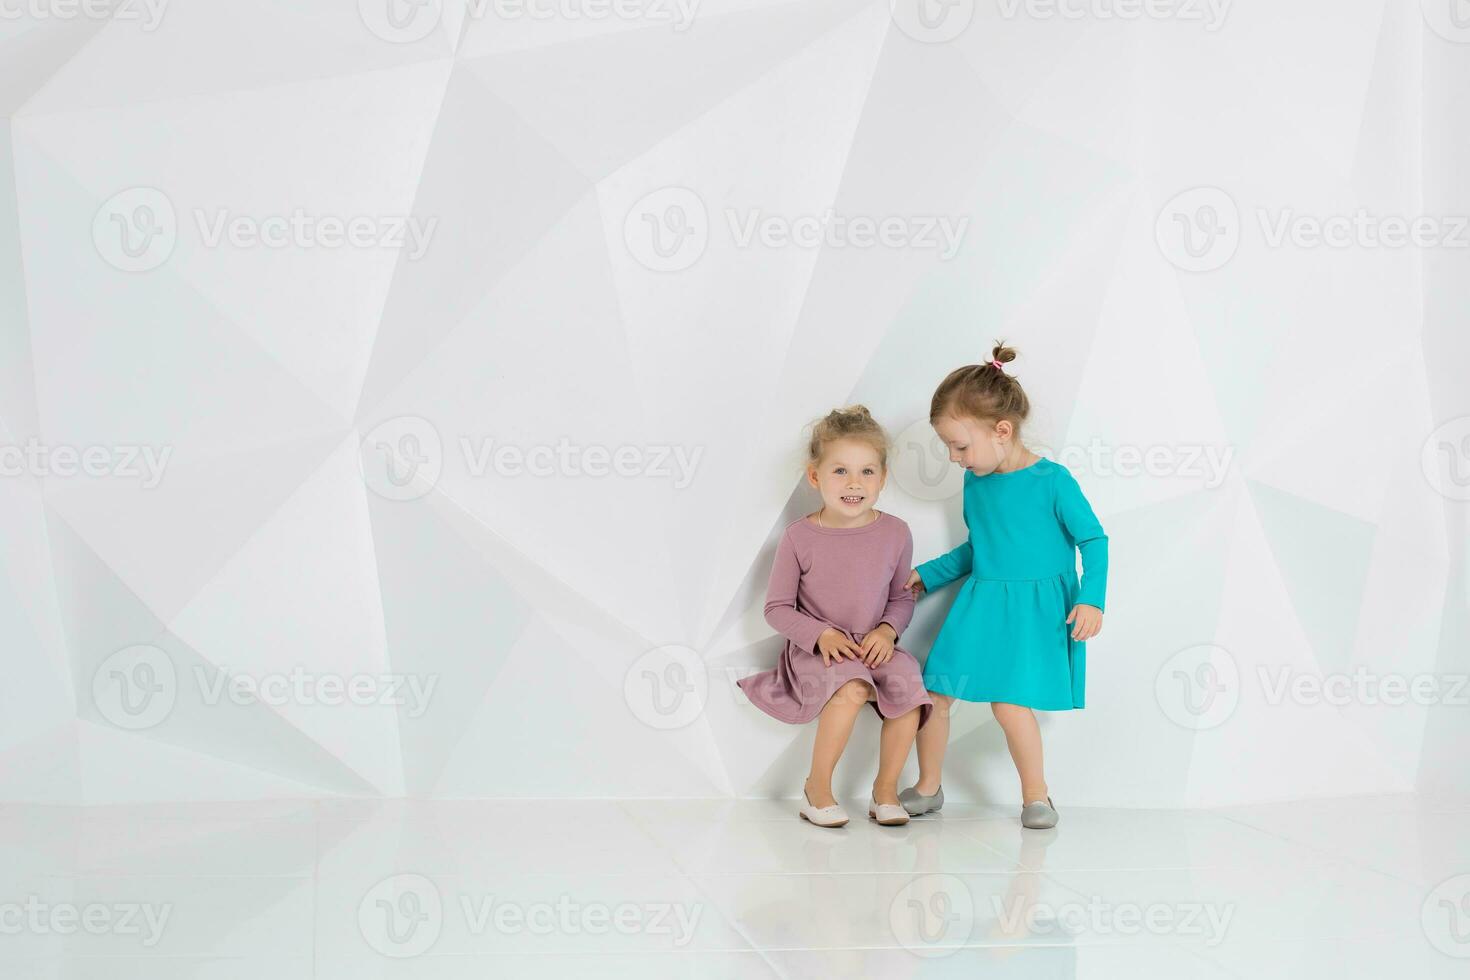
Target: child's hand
915	584
833	645
1088	621
878	645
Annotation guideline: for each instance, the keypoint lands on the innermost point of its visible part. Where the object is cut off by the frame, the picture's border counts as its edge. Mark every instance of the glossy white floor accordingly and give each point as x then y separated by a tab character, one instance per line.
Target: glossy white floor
1365	887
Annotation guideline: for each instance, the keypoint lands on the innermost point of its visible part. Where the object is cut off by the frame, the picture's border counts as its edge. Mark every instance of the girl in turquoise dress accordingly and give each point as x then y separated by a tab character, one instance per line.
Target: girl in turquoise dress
1017	633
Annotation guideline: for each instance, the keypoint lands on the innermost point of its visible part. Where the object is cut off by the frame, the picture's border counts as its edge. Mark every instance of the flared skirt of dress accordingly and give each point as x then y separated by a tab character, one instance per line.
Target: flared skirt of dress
799	686
1007	640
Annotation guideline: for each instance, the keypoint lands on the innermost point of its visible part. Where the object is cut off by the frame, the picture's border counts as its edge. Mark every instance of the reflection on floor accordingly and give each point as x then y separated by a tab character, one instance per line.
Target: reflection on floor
1363	887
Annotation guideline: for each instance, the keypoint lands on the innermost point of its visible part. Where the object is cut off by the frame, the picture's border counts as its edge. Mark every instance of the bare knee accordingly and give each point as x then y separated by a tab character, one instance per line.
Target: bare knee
854	691
908	718
1009	714
942	703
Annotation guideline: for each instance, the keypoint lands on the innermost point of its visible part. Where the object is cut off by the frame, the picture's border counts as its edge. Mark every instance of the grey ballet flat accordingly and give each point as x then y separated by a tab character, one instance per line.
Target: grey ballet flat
917	804
1039	815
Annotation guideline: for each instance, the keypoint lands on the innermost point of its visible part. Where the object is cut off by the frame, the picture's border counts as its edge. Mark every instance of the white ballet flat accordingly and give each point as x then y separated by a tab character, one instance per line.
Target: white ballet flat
887	814
823	816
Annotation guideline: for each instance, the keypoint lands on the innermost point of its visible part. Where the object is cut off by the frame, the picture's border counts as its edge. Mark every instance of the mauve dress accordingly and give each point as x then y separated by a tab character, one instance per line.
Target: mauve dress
850	578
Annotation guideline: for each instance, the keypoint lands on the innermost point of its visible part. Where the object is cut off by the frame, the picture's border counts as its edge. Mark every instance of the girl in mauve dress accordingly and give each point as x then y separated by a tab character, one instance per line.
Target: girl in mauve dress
837	594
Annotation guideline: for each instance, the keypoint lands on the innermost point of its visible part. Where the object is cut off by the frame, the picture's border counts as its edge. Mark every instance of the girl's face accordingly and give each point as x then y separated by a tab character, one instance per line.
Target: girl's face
976	444
849	478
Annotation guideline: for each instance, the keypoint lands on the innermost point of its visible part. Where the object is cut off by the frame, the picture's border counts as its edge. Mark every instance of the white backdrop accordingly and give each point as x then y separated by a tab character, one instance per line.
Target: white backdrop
406	400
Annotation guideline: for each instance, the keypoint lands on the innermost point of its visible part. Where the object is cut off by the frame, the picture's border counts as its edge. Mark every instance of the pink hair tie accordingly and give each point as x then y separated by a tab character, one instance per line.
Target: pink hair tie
996	365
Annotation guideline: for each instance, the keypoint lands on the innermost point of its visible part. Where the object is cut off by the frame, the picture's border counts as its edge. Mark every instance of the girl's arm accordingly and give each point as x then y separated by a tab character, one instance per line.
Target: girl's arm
939	572
781	612
900	607
1083	527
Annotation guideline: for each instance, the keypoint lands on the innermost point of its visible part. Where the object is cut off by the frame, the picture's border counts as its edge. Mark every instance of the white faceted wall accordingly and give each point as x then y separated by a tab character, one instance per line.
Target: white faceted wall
406	400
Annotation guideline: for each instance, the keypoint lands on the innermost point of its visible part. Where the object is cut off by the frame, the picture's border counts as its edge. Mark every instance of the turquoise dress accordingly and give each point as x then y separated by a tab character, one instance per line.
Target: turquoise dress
1006	637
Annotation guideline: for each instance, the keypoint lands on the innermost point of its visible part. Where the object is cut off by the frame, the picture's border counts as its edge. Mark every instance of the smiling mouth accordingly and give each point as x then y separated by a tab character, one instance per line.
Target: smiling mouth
853	499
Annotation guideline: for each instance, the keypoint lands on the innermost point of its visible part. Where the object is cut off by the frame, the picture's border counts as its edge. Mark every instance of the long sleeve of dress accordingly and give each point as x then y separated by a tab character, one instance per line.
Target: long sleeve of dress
781	612
1087	536
939	572
900	607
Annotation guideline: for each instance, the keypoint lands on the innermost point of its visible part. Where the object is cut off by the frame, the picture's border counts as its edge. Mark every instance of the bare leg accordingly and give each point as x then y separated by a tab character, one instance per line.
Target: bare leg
893	752
1023	738
834	725
933	738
